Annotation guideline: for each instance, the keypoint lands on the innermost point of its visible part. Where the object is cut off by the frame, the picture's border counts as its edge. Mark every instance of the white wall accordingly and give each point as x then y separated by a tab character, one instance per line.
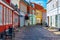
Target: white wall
52	8
49	6
52	12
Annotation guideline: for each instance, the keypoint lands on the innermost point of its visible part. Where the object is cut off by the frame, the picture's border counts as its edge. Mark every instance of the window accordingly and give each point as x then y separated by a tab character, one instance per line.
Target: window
53	5
0	14
58	3
15	18
50	20
56	18
6	16
11	16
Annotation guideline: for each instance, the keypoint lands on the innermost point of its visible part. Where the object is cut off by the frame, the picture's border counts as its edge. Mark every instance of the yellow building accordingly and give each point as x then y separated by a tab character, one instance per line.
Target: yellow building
38	17
40	13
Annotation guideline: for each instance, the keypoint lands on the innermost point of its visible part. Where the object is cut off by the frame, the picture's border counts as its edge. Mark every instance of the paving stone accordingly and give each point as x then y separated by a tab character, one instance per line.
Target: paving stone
36	32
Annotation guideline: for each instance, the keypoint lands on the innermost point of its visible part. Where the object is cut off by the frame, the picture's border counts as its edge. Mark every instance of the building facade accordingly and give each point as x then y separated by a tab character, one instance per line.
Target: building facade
53	13
23	12
39	12
32	15
38	17
8	16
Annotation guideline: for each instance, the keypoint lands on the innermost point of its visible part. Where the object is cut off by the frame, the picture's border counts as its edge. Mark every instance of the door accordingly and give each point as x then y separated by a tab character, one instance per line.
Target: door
21	21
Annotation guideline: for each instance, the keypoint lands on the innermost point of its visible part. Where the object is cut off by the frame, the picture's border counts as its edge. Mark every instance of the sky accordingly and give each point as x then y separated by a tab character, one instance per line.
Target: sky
41	2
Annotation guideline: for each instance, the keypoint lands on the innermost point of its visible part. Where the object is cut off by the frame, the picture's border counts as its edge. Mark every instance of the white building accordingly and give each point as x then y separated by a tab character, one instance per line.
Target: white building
53	13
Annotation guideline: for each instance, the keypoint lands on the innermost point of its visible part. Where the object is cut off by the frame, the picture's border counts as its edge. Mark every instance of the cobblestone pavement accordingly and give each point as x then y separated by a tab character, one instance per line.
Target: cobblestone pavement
35	33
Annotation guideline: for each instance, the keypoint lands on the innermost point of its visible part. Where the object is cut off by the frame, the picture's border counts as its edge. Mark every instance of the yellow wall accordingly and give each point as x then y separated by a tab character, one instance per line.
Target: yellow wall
38	16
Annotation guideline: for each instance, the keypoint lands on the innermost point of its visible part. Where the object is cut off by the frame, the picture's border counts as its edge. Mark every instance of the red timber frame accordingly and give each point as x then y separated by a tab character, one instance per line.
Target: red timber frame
8	16
15	19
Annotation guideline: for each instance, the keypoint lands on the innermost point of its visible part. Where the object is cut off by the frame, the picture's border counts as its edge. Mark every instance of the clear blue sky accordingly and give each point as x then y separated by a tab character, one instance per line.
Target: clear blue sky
41	2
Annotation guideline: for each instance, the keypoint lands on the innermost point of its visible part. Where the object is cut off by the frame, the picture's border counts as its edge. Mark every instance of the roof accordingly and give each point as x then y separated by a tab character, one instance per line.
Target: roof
25	2
39	7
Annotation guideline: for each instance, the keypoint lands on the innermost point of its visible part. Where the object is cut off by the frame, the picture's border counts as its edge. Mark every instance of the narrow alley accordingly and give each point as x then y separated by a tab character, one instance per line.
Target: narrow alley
35	33
29	19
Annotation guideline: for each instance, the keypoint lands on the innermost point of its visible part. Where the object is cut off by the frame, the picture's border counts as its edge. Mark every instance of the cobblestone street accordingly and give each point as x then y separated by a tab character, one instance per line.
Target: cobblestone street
29	19
35	33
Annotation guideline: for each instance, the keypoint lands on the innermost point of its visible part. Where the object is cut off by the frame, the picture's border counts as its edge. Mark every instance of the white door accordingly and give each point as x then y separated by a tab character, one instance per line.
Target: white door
21	21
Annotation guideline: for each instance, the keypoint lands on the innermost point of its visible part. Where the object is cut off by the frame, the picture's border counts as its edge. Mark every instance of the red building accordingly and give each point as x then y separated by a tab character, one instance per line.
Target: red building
8	16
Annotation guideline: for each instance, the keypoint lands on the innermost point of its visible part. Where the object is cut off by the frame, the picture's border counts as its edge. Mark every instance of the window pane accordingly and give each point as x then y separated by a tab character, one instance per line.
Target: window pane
58	3
0	14
56	20
10	16
15	19
4	15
